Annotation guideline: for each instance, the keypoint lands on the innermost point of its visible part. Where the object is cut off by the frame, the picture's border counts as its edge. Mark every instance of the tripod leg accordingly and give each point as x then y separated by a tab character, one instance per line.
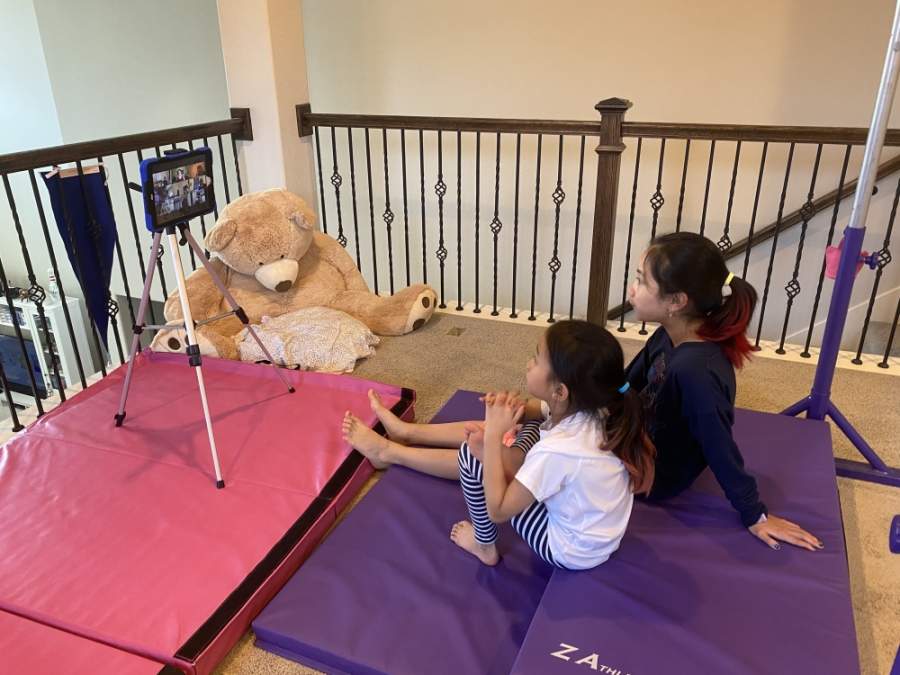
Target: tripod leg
194	351
239	312
139	326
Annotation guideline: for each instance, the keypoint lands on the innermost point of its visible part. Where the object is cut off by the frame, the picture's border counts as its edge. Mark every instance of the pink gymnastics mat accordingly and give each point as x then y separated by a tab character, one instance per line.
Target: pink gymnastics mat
119	554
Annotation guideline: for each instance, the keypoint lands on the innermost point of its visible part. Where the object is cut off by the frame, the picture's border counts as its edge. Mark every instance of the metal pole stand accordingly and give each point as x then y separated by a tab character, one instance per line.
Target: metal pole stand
192	349
818	404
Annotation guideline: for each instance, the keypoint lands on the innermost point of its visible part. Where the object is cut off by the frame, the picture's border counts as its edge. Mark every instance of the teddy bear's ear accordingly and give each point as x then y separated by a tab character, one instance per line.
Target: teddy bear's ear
299	219
219	237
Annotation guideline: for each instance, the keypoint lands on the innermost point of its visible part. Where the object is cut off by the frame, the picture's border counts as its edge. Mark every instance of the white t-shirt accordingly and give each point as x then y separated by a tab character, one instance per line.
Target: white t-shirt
587	490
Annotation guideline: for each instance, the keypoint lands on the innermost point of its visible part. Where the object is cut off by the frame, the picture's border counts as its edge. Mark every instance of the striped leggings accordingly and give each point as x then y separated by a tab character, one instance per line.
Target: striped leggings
531	524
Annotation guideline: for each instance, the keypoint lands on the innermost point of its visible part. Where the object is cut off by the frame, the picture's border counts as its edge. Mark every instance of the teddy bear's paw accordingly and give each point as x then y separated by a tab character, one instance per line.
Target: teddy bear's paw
174	340
422	309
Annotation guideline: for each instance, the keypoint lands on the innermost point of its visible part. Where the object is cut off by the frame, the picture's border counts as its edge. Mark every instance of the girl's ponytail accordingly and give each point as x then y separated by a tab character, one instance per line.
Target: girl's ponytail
628	441
727	323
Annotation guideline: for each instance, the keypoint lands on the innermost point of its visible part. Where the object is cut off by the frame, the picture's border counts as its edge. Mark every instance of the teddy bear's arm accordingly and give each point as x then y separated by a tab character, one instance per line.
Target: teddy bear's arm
331	251
205	297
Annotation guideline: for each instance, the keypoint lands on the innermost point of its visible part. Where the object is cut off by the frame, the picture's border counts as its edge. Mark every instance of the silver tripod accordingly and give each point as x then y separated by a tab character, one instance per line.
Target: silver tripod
193	349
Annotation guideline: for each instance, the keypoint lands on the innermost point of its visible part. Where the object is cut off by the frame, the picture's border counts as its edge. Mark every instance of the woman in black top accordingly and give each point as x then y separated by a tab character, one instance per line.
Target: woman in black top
685	375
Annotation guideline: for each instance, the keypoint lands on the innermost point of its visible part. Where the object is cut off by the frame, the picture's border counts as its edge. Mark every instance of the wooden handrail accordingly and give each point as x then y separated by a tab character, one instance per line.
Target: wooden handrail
307	120
238	125
818	205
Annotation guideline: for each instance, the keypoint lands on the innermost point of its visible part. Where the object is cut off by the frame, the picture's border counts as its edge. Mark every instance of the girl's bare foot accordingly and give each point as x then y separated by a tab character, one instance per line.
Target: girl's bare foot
372	445
463	535
396	428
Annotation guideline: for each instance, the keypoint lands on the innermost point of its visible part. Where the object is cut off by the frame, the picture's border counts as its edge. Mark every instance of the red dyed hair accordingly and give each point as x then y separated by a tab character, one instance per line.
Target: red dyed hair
685	262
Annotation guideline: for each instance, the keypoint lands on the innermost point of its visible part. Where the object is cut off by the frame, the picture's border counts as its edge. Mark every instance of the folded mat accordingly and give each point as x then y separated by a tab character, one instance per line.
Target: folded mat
388	592
689	590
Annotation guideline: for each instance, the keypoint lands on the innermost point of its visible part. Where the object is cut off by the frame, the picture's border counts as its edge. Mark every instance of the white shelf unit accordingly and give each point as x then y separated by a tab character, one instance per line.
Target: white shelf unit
57	341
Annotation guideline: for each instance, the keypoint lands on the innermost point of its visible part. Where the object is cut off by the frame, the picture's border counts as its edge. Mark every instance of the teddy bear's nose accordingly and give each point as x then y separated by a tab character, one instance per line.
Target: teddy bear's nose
283	286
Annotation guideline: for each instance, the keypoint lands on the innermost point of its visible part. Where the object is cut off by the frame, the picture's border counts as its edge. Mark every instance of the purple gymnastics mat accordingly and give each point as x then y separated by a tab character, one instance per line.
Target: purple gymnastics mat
388	592
689	591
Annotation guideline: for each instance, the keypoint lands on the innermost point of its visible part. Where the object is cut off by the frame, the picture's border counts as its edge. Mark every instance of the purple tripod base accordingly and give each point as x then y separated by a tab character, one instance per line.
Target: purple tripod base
875	471
818	404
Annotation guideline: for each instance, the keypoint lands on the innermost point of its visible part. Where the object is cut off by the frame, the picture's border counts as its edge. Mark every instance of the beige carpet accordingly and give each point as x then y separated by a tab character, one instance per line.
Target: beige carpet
456	352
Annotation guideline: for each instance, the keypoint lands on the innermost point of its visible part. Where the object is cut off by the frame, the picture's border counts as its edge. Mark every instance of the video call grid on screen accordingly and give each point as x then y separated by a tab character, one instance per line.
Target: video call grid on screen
182	188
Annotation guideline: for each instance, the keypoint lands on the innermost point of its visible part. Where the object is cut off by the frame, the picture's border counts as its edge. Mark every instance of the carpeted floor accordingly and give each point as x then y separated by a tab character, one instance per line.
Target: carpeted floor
457	352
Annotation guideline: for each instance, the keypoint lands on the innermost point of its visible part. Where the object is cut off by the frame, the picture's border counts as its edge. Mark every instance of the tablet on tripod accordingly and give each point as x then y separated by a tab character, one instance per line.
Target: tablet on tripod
177	187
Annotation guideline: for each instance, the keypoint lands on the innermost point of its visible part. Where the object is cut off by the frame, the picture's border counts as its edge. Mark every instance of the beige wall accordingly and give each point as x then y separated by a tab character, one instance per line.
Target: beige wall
765	62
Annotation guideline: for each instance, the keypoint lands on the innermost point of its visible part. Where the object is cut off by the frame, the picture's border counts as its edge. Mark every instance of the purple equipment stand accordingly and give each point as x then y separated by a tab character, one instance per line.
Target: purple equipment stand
819	404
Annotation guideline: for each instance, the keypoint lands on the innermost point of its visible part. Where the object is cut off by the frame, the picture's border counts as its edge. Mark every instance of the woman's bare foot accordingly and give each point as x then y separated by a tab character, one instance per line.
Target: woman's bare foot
372	445
463	535
396	428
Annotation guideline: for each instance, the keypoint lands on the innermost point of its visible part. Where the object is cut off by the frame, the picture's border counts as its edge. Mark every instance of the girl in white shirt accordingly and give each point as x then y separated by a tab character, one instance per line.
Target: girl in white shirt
570	494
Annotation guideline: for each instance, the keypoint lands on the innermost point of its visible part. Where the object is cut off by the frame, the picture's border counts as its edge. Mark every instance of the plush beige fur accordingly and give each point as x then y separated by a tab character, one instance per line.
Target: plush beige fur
272	261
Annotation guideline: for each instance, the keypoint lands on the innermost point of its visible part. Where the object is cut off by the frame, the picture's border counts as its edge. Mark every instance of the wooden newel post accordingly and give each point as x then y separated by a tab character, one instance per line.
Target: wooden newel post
612	112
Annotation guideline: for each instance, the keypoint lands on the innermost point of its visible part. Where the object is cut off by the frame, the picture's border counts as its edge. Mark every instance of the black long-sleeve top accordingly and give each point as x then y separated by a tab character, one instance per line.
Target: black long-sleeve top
688	393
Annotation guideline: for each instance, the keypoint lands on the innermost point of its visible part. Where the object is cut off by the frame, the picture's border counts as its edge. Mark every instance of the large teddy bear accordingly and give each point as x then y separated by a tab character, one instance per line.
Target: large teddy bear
272	261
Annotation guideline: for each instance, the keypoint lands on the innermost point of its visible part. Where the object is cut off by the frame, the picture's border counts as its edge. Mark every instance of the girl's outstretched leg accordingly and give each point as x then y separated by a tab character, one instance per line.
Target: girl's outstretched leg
479	534
447	435
382	452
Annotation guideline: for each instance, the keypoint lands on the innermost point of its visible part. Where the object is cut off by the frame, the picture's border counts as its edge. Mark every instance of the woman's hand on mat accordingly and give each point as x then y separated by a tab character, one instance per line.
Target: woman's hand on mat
775	529
503	410
475	439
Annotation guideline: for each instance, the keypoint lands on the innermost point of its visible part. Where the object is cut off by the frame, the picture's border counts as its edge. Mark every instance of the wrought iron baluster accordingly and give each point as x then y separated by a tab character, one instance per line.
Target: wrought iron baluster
59	283
215	203
112	307
537	192
577	223
224	169
237	165
762	167
371	211
684	170
890	342
336	182
134	230
36	295
637	170
762	309
712	152
807	211
388	215
422	204
321	184
118	249
496	225
405	202
656	203
353	195
515	256
459	291
477	309
202	229
159	252
440	189
834	214
882	260
725	242
14	416
559	196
